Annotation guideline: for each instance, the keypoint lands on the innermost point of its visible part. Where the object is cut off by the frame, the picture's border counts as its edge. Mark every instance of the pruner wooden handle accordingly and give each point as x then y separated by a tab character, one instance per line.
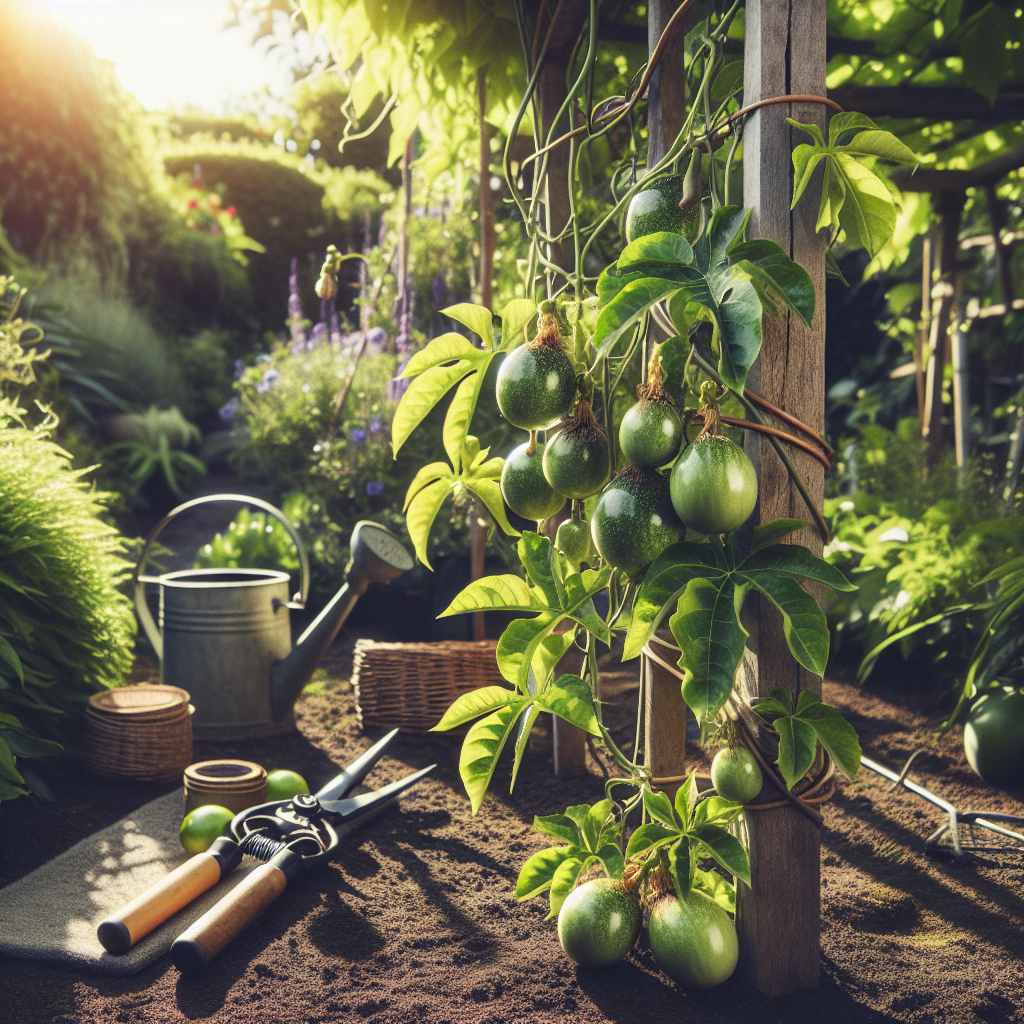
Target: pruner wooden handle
122	930
200	943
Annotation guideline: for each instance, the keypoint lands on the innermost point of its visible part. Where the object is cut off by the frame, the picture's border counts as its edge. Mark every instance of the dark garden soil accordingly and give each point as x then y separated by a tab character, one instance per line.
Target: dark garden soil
415	921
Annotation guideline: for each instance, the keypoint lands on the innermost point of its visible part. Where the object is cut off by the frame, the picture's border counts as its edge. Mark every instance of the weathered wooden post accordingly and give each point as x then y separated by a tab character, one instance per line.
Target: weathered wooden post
569	740
784	54
664	709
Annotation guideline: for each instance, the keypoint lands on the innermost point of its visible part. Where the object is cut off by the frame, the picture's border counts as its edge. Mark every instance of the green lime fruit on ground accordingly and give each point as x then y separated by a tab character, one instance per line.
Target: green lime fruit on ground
536	386
202	826
576	542
283	785
693	940
736	775
994	737
524	487
714	486
656	208
650	434
633	521
599	923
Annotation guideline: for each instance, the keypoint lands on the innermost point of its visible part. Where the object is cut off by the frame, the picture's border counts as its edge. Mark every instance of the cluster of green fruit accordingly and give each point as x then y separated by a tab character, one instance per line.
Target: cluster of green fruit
202	825
712	487
692	937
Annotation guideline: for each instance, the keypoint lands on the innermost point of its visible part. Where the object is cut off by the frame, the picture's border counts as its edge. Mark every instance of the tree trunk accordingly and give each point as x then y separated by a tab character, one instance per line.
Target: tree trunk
778	919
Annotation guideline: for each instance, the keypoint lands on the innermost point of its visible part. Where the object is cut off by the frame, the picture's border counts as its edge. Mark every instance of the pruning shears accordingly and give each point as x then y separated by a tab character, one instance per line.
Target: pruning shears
289	836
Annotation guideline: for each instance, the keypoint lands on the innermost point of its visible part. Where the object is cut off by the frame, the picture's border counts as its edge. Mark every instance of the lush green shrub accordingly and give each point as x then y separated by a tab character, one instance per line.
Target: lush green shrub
916	540
66	630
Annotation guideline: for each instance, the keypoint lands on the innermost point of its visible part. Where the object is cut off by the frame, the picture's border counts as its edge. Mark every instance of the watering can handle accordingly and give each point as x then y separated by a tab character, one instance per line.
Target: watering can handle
139	581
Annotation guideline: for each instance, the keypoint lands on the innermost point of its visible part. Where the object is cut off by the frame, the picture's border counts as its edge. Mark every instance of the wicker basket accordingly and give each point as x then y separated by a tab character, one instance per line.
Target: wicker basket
412	685
141	732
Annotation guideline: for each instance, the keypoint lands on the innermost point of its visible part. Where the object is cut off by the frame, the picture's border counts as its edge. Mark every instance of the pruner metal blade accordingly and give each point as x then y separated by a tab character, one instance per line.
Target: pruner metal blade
345	781
368	803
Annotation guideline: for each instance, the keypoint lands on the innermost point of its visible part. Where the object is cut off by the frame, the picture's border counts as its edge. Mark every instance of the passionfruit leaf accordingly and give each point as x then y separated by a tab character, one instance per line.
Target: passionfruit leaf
562	883
478	319
474	704
803	621
725	848
537	873
835	734
423	394
657	598
522	737
707	628
648	836
798	744
570	698
444	349
514	319
498	593
796	561
482	748
771	533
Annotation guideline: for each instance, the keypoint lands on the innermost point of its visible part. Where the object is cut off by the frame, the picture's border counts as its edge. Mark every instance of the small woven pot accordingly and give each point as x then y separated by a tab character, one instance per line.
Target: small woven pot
236	785
139	732
411	686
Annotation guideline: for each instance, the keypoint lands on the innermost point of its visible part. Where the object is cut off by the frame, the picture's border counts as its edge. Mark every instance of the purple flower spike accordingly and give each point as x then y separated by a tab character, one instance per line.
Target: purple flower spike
376	426
239	368
358	436
227	412
375	488
267	381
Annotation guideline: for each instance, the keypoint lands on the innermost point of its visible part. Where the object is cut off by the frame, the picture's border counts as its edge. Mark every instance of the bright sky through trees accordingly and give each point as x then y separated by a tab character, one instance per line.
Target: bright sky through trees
175	52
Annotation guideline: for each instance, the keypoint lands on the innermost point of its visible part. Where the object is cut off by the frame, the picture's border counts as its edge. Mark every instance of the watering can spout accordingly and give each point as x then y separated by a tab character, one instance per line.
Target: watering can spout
377	557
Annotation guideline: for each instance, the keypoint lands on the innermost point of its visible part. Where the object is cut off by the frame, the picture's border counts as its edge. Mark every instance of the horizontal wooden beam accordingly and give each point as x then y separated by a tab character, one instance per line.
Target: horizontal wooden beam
939	102
927	180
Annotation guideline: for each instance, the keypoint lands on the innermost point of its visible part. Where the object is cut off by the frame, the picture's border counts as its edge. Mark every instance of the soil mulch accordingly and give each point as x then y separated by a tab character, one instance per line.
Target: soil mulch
415	921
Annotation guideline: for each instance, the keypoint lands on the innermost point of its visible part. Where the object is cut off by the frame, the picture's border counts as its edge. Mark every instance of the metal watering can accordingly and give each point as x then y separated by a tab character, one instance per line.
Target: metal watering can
225	634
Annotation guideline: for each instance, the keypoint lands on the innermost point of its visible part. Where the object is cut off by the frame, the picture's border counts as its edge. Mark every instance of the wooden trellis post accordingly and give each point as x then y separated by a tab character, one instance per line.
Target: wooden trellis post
784	53
664	709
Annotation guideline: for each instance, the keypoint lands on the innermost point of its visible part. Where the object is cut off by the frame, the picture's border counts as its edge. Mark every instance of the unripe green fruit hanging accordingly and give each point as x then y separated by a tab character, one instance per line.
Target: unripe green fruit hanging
524	488
656	208
536	384
634	521
651	431
576	458
714	486
575	541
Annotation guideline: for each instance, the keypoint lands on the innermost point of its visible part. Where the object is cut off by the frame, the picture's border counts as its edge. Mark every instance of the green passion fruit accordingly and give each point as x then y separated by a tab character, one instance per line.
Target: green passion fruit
576	458
536	384
576	542
656	208
523	485
736	775
693	940
599	923
634	521
713	485
994	737
651	431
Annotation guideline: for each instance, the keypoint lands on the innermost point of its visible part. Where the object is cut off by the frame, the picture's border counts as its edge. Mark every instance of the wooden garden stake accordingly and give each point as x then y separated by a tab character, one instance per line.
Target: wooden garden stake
664	708
778	920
